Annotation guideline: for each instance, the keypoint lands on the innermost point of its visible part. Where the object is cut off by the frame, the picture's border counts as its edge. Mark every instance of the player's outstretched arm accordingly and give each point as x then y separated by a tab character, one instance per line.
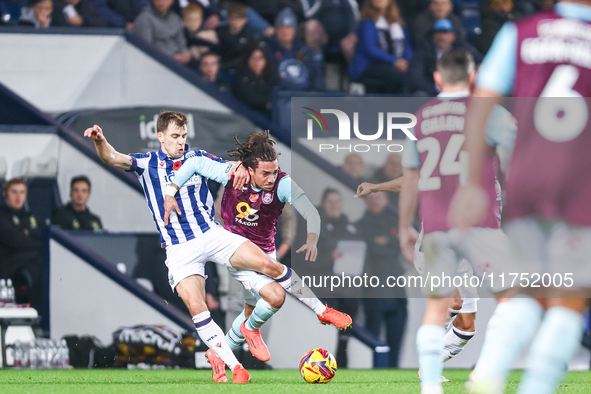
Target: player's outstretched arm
289	191
106	152
395	185
406	208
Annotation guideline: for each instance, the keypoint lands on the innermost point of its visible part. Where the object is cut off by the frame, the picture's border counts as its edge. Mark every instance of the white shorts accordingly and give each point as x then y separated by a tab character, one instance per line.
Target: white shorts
551	251
189	258
252	281
469	294
469	305
486	249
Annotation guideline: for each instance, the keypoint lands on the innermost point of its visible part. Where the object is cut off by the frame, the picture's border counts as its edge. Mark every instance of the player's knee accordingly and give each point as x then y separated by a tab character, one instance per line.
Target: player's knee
464	323
197	307
277	297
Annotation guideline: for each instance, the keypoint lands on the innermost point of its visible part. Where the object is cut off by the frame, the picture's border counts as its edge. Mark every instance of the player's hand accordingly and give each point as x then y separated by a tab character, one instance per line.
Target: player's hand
364	189
170	204
310	247
241	176
94	132
408	237
468	207
311	251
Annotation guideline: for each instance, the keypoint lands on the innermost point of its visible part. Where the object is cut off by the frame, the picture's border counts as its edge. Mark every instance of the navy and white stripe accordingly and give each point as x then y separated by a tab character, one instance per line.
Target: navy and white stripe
285	277
203	323
156	171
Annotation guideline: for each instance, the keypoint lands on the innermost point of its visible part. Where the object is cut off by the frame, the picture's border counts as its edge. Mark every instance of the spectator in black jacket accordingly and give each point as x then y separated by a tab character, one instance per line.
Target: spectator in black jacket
335	227
254	81
494	15
387	306
80	13
20	244
438	10
422	65
76	215
119	13
210	67
234	38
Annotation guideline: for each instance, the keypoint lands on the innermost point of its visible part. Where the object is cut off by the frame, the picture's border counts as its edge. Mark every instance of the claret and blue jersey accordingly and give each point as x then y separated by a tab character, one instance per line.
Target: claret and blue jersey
156	171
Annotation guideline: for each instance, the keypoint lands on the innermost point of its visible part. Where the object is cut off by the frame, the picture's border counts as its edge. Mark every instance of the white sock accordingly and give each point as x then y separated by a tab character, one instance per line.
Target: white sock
509	330
234	337
213	336
454	342
260	314
555	344
452	316
293	285
429	347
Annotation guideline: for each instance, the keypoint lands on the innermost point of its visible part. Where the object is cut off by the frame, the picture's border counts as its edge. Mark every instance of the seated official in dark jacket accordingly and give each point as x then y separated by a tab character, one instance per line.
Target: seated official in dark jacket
20	244
76	215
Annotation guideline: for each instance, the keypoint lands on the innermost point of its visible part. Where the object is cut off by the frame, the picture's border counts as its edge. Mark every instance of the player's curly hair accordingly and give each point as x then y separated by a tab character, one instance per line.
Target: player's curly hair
258	147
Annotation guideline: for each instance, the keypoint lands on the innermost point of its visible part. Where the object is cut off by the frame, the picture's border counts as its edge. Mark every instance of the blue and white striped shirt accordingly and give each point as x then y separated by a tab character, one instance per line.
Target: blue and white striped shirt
156	171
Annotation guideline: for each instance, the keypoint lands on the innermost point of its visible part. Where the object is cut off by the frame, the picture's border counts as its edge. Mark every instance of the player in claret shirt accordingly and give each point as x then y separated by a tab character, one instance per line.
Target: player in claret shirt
543	62
252	212
433	171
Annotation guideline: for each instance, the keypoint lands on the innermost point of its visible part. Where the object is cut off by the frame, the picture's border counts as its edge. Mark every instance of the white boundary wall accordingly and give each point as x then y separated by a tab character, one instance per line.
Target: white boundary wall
62	72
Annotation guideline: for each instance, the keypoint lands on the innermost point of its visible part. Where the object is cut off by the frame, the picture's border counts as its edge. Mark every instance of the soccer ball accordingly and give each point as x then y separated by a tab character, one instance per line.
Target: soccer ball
318	366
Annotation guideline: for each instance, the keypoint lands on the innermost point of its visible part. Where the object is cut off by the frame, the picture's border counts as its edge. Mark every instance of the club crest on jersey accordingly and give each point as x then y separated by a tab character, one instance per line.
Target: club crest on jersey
254	197
267	198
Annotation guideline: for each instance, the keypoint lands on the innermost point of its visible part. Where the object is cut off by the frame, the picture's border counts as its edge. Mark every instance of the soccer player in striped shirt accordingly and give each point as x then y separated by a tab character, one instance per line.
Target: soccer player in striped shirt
193	238
252	211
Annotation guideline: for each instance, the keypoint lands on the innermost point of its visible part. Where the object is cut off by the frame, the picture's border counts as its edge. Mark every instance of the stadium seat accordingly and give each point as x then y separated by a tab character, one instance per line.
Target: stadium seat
11	12
43	198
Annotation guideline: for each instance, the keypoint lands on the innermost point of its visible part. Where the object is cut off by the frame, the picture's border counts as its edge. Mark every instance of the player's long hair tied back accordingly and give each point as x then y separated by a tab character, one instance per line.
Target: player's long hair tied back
258	147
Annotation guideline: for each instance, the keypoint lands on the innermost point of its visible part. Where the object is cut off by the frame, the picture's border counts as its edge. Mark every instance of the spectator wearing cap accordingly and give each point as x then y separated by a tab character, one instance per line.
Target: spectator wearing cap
443	38
37	15
383	50
438	9
299	67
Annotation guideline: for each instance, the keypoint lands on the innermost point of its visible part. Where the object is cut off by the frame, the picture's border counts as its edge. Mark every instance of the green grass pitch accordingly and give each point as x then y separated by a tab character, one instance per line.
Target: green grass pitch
280	381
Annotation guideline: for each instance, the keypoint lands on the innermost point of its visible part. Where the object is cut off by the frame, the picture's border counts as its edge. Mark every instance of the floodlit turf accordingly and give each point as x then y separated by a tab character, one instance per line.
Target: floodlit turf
281	381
